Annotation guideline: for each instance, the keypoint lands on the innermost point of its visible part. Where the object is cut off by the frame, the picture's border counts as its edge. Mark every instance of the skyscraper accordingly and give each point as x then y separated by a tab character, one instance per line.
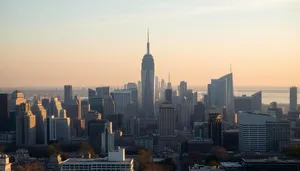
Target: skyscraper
148	83
293	99
4	112
17	98
220	94
68	94
182	90
166	120
156	88
101	136
122	98
199	112
91	93
102	91
215	127
40	114
168	95
54	108
74	108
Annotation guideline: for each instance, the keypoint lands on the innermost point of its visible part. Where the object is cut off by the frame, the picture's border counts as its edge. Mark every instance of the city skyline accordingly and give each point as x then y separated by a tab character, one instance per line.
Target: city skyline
73	43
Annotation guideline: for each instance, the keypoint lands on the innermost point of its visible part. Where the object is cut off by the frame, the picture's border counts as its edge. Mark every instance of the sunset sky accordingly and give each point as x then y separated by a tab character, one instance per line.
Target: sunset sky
93	43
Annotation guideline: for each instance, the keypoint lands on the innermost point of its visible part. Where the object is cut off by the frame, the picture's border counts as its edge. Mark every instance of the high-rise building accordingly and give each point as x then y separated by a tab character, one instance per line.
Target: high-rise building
275	111
276	132
200	130
131	85
54	108
293	99
185	112
133	126
25	125
139	88
46	103
17	98
4	112
109	106
85	107
220	94
40	113
130	111
182	90
29	128
156	88
147	74
248	103
117	121
122	98
195	97
199	112
101	136
91	115
96	103
252	136
162	90
58	128
68	94
74	108
168	95
215	127
166	120
102	91
91	93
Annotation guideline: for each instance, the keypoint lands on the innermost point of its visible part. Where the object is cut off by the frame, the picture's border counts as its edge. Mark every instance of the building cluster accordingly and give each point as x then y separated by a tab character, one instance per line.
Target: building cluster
151	114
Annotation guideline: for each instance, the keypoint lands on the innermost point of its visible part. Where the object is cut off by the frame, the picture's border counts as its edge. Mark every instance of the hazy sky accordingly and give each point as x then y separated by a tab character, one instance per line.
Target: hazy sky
90	43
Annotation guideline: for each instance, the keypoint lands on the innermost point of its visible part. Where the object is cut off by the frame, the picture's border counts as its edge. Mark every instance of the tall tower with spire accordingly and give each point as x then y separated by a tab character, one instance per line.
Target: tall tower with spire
148	83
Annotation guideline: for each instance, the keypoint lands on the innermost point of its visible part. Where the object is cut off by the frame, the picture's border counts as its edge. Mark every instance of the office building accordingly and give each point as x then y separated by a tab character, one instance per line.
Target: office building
144	142
4	113
231	139
91	115
68	94
202	145
122	98
116	160
182	90
166	120
185	112
101	136
215	127
162	90
273	163
8	137
102	91
29	128
133	126
109	106
276	132
46	103
5	165
248	103
147	74
131	111
54	108
85	107
139	88
200	130
156	89
25	125
74	108
58	128
220	94
253	131
96	103
117	121
40	113
77	127
274	111
195	97
168	96
293	99
199	112
131	85
91	93
17	98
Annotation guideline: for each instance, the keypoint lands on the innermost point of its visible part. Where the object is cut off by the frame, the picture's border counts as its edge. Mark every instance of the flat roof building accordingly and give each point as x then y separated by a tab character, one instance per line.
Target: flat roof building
115	161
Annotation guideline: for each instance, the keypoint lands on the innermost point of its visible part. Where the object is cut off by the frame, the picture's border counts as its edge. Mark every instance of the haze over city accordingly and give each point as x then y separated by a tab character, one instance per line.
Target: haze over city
103	42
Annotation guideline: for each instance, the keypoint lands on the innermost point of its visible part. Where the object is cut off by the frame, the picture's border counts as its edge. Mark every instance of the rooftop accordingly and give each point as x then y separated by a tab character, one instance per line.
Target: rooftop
271	159
94	160
231	164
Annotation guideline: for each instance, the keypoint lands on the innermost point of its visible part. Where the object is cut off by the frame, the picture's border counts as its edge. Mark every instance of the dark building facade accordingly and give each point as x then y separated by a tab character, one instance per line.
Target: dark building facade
231	140
168	95
4	113
215	128
199	112
68	94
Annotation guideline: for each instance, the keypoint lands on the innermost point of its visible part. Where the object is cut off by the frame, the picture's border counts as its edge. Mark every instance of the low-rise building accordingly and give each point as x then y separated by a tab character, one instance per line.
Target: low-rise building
273	164
115	161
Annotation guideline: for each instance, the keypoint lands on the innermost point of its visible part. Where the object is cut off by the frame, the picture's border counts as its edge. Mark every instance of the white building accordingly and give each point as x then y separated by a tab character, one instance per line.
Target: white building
5	165
253	130
115	161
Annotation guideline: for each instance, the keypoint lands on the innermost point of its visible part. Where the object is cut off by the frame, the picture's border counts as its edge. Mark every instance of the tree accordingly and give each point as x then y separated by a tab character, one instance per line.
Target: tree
144	158
212	160
169	162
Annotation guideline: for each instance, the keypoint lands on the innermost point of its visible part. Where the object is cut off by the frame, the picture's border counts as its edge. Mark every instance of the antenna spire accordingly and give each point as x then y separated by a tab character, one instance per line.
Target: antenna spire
148	43
230	68
169	77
